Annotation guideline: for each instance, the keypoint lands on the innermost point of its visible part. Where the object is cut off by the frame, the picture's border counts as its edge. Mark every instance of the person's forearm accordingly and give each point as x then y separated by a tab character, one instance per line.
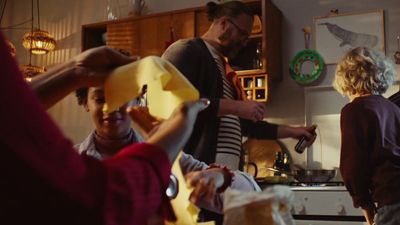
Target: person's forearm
55	84
284	131
227	107
171	135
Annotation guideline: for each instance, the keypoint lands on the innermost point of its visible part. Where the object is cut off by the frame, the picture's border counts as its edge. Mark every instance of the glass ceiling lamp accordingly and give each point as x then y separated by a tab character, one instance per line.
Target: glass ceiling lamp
29	71
38	41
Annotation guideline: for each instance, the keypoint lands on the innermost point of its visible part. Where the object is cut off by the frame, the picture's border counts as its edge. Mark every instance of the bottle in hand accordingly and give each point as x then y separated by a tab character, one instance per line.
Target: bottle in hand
304	142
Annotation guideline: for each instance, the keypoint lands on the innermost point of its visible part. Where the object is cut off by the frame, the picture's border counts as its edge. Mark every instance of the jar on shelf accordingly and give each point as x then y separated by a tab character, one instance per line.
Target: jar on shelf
112	10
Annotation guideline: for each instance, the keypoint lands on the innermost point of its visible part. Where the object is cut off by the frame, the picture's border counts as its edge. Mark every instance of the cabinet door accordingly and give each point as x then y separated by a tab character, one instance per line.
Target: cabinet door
124	35
155	32
183	25
202	23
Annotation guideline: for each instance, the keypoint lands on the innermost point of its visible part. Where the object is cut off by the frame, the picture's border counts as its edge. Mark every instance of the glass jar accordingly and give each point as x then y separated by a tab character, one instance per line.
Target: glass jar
112	10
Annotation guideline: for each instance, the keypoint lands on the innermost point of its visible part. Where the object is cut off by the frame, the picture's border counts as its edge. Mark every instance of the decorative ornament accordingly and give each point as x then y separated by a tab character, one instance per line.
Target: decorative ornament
307	55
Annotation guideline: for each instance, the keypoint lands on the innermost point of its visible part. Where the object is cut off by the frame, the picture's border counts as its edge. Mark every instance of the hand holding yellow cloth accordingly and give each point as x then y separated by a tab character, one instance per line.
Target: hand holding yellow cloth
166	89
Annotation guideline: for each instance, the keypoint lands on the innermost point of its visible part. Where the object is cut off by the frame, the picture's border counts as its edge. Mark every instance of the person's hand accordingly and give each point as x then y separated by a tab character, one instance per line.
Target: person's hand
298	132
173	133
369	213
205	184
87	69
92	66
143	122
251	110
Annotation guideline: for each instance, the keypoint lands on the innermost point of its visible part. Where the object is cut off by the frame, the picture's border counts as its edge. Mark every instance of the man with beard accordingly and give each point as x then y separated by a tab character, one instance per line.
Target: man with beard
217	135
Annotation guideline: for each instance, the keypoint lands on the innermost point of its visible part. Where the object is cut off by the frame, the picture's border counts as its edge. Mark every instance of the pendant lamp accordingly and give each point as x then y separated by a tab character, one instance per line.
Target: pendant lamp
37	41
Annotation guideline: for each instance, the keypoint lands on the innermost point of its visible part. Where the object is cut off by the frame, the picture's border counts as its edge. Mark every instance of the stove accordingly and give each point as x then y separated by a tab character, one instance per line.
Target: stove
317	184
324	204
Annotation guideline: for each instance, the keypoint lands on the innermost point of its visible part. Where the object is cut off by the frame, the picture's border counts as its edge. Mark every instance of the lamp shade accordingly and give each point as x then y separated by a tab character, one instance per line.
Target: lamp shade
29	71
38	42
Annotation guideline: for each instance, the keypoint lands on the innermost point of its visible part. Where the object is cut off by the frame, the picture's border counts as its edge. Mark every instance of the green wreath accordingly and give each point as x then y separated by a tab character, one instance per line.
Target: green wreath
297	63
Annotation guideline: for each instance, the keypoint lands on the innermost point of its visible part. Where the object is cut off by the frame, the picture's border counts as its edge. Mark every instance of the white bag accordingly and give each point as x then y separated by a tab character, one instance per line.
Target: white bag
269	207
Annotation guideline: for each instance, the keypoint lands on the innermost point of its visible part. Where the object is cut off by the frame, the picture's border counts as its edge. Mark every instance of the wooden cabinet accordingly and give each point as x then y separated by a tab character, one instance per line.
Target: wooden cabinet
143	36
259	61
255	87
202	22
155	32
124	35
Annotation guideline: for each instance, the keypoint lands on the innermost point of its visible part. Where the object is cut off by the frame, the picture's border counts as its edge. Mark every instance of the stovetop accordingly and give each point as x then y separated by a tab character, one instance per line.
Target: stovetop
317	184
263	182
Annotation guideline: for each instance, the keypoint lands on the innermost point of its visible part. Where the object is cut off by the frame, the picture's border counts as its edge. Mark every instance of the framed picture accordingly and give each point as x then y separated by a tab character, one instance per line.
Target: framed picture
334	35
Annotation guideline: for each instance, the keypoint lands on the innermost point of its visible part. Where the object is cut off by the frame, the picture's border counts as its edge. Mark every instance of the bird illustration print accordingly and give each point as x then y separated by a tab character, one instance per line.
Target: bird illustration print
351	38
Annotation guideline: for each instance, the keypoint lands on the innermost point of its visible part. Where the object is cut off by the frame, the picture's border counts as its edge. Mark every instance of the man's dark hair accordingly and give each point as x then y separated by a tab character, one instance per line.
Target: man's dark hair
81	94
231	9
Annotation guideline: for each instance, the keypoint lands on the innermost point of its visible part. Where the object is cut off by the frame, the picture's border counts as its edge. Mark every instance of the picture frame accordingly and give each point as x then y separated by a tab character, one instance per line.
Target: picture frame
336	34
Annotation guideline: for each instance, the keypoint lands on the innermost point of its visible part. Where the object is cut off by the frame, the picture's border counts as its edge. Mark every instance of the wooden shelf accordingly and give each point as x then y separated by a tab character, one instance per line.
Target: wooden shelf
255	87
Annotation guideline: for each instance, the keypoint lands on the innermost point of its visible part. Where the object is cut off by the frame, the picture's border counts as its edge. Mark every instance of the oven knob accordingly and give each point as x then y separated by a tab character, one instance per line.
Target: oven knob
299	208
340	208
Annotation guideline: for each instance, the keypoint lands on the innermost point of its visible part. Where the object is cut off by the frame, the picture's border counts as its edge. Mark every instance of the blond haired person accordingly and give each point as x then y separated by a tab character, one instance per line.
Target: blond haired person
370	132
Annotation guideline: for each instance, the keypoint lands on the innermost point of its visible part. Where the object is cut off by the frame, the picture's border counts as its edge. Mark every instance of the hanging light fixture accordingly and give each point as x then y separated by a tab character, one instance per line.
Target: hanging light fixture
38	41
29	71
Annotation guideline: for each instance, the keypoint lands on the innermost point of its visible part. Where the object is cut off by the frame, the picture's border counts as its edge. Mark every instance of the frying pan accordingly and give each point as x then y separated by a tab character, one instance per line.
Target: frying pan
317	176
309	176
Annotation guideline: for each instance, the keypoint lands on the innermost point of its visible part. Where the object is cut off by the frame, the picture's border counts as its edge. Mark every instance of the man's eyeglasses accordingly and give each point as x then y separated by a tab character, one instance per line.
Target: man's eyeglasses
243	33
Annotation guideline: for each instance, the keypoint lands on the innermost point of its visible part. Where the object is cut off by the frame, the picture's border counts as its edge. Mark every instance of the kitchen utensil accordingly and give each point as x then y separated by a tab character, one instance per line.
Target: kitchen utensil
308	176
284	173
304	141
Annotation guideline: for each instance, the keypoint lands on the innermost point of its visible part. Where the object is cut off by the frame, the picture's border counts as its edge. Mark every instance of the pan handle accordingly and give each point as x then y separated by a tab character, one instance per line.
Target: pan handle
250	164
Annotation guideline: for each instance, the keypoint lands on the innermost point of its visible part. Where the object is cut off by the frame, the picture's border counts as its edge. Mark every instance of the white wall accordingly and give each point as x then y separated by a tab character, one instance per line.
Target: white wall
288	100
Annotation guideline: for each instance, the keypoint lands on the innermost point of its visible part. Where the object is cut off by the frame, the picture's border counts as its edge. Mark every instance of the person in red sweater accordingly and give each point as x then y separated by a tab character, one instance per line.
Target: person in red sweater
45	181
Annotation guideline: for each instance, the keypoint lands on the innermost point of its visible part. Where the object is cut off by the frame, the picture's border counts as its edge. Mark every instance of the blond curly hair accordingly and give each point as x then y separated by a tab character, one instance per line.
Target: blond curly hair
363	71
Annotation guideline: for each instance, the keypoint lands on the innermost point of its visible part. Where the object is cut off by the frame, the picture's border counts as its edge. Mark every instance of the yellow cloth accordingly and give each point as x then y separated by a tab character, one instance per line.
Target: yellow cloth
166	86
166	89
